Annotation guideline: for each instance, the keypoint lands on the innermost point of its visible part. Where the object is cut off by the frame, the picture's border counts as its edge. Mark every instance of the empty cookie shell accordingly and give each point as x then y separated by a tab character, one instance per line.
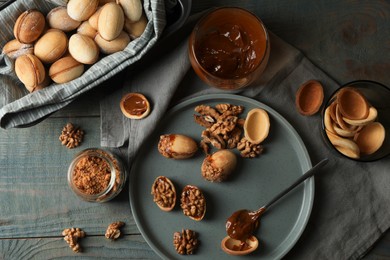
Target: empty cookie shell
237	247
352	104
343	145
257	124
309	97
372	115
370	138
135	106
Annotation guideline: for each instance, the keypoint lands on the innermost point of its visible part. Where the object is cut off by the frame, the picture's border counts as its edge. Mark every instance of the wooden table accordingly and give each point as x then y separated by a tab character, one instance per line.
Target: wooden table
348	39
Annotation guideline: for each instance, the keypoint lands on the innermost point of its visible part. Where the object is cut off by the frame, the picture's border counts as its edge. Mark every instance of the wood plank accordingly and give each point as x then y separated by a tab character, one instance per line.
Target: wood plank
92	247
35	197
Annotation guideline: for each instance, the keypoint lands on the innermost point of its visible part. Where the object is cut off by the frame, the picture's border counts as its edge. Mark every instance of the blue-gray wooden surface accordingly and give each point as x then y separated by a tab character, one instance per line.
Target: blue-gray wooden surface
348	39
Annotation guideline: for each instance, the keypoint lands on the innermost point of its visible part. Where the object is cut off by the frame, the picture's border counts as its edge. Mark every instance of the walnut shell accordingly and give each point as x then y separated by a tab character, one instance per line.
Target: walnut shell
51	46
30	71
111	21
58	18
177	146
65	70
81	10
14	49
29	26
83	49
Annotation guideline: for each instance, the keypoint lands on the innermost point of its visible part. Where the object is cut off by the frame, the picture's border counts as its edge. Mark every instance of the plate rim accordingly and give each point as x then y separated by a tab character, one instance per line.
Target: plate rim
309	188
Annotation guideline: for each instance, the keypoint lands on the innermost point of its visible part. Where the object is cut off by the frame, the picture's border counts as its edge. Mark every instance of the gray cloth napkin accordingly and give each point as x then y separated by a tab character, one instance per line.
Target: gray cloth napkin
351	200
19	108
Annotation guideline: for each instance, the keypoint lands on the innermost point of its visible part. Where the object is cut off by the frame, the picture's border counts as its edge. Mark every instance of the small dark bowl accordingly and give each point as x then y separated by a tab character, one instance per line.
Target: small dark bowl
378	95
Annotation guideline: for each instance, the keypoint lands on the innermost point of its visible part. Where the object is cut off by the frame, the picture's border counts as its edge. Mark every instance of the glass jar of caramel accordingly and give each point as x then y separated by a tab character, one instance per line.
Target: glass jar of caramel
229	48
96	175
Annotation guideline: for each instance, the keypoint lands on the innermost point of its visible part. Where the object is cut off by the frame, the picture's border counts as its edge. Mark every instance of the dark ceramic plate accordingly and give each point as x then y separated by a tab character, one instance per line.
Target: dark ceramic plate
254	183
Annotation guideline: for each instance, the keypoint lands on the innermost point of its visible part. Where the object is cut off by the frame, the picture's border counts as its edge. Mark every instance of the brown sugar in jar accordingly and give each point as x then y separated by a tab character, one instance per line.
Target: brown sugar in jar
96	175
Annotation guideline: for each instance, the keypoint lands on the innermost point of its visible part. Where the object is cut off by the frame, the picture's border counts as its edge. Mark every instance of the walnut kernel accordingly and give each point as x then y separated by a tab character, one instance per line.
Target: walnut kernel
248	149
113	231
185	242
71	136
71	236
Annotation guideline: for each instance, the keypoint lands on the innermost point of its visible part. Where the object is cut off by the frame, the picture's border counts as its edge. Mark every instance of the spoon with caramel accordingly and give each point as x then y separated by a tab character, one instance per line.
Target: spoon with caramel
241	224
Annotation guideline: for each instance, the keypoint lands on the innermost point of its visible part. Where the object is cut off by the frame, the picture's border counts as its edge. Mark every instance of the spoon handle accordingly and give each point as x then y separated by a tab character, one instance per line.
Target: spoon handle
308	174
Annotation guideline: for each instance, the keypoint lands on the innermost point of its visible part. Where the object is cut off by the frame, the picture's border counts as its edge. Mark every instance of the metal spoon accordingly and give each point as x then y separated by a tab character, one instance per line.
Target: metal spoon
241	224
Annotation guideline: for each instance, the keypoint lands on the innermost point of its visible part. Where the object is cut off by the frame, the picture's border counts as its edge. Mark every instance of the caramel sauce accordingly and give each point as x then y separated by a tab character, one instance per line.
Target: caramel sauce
242	223
228	52
135	105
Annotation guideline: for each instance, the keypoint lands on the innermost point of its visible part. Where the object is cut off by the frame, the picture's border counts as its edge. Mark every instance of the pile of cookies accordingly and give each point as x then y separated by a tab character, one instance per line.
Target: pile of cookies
57	47
351	124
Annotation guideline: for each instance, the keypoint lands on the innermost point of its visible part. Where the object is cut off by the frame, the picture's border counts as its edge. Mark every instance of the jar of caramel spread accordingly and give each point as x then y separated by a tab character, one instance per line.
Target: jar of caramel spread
229	48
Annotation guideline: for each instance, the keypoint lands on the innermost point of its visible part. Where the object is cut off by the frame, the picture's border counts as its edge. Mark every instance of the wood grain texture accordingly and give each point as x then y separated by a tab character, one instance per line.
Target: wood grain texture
93	247
36	199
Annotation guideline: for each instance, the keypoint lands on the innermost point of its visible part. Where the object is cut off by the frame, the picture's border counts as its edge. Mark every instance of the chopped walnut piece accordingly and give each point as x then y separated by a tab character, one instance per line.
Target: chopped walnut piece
113	231
224	125
233	138
71	236
71	136
232	109
248	149
215	140
204	146
205	121
185	242
241	122
207	111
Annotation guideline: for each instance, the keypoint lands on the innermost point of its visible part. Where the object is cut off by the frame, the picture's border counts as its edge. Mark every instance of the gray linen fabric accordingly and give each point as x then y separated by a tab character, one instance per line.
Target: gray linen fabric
350	209
18	107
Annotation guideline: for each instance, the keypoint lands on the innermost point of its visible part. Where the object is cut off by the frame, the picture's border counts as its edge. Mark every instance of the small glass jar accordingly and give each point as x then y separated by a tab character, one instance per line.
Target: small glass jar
229	48
96	175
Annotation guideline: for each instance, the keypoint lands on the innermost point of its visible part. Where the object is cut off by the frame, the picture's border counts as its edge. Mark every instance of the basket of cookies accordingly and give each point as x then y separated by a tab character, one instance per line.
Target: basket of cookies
55	50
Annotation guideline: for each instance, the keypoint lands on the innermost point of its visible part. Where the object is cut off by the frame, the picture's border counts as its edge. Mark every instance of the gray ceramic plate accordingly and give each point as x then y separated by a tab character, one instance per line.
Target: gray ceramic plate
254	183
